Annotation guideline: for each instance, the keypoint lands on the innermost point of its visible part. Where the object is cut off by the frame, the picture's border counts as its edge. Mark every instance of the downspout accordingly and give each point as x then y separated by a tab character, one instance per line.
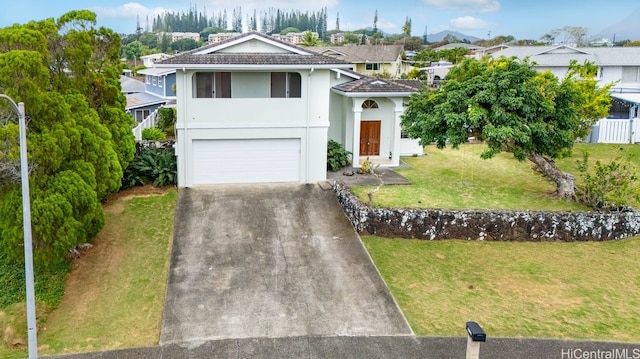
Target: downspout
307	139
184	124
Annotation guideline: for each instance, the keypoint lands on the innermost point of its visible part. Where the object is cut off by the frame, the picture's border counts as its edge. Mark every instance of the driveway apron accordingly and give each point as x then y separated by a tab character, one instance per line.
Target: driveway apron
271	260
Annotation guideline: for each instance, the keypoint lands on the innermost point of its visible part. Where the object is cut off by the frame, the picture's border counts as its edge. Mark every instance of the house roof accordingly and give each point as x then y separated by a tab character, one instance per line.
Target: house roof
361	53
628	97
142	99
553	56
371	86
156	71
287	56
131	85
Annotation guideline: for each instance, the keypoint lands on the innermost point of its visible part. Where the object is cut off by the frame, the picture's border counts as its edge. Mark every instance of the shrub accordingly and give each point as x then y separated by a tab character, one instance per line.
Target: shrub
166	118
153	134
611	186
154	165
337	156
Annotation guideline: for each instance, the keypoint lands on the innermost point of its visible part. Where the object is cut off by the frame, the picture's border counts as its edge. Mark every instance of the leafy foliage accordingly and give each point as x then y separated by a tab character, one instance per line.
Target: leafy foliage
154	165
166	118
337	156
511	107
153	134
79	136
609	186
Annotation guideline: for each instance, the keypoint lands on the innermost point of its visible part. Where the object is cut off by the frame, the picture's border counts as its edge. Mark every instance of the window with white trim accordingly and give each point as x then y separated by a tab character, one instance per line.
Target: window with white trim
372	67
141	115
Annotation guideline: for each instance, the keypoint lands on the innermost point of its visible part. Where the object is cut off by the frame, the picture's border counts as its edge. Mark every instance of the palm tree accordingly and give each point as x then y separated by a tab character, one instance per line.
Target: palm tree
309	39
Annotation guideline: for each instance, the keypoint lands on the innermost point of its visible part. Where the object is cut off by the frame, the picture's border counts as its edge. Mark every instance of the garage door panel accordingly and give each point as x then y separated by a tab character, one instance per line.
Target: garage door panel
246	161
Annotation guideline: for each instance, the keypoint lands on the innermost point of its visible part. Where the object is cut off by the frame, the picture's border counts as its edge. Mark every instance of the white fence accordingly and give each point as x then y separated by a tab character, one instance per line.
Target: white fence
612	130
148	122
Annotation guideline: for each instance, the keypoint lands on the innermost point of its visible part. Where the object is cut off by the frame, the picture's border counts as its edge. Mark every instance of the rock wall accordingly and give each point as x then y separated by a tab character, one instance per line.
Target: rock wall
486	225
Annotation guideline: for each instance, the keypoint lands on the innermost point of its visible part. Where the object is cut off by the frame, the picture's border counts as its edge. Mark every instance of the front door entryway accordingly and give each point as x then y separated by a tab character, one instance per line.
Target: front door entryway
369	138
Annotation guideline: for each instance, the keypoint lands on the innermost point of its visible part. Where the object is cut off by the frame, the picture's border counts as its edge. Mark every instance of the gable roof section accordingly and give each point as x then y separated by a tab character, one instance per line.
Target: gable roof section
287	56
371	86
362	53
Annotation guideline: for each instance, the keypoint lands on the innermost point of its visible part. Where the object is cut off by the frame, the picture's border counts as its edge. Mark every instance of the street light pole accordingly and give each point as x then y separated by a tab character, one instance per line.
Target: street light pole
32	333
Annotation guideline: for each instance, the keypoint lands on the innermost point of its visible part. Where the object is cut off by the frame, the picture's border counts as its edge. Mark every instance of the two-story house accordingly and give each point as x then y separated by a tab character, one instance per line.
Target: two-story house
256	109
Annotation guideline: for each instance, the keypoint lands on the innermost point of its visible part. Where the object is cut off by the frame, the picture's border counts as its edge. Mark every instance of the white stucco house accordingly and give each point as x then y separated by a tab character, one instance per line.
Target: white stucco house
616	64
256	109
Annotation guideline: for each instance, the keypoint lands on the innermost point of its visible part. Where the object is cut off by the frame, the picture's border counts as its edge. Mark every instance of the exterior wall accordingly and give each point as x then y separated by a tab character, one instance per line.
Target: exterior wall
169	85
435	224
306	118
255	46
410	147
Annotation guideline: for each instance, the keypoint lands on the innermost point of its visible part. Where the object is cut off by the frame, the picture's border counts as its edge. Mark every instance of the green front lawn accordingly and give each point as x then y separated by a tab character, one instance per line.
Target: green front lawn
578	290
460	179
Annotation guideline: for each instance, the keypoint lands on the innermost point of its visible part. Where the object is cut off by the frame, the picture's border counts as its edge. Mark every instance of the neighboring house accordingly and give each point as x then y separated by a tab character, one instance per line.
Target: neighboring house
370	60
620	65
337	38
436	72
160	82
149	60
221	36
294	37
256	109
175	36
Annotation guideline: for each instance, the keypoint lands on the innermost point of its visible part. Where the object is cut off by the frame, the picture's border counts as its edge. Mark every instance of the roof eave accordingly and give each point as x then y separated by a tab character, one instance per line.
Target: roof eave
374	94
257	66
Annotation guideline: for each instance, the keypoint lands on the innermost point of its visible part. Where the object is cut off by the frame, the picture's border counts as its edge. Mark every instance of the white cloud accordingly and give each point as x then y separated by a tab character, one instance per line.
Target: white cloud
483	6
128	10
469	23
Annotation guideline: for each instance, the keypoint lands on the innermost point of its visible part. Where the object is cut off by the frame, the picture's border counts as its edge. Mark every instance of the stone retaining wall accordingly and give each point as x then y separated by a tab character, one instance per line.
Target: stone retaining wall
486	225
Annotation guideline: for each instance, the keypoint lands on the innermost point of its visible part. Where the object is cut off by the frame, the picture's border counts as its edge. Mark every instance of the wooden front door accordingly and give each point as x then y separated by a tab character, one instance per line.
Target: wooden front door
370	138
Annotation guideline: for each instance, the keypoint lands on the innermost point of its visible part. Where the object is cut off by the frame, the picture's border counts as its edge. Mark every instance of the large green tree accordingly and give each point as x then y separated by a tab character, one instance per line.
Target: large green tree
513	108
79	136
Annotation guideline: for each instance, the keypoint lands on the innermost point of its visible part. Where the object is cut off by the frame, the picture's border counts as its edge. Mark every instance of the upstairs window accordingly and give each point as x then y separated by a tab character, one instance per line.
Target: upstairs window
212	85
286	84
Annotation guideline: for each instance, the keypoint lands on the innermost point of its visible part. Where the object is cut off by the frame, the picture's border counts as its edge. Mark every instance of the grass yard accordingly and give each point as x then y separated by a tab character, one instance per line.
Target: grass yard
578	290
115	292
460	179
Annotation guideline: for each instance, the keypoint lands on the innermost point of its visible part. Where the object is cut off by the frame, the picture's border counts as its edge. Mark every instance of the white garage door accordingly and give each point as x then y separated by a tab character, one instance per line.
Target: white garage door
246	161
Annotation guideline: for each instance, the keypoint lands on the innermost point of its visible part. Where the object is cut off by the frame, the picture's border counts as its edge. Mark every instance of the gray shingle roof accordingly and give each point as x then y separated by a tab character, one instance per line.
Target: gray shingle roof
302	57
371	85
142	99
562	55
361	53
131	85
253	59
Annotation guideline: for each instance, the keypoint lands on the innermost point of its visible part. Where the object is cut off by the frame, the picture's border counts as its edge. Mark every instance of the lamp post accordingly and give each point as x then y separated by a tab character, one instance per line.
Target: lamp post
32	334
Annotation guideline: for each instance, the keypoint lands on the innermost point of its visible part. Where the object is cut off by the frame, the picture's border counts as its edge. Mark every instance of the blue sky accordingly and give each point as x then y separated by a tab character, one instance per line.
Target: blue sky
524	19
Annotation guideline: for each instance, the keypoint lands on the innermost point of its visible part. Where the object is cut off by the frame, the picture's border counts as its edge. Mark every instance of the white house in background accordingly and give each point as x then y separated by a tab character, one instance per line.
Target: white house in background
616	64
256	109
150	60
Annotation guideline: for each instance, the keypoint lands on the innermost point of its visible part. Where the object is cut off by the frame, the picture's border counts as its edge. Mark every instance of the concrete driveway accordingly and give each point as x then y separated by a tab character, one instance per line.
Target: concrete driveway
269	261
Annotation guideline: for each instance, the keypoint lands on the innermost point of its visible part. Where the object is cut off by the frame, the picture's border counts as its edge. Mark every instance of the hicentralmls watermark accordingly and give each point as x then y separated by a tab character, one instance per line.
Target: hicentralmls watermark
578	353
